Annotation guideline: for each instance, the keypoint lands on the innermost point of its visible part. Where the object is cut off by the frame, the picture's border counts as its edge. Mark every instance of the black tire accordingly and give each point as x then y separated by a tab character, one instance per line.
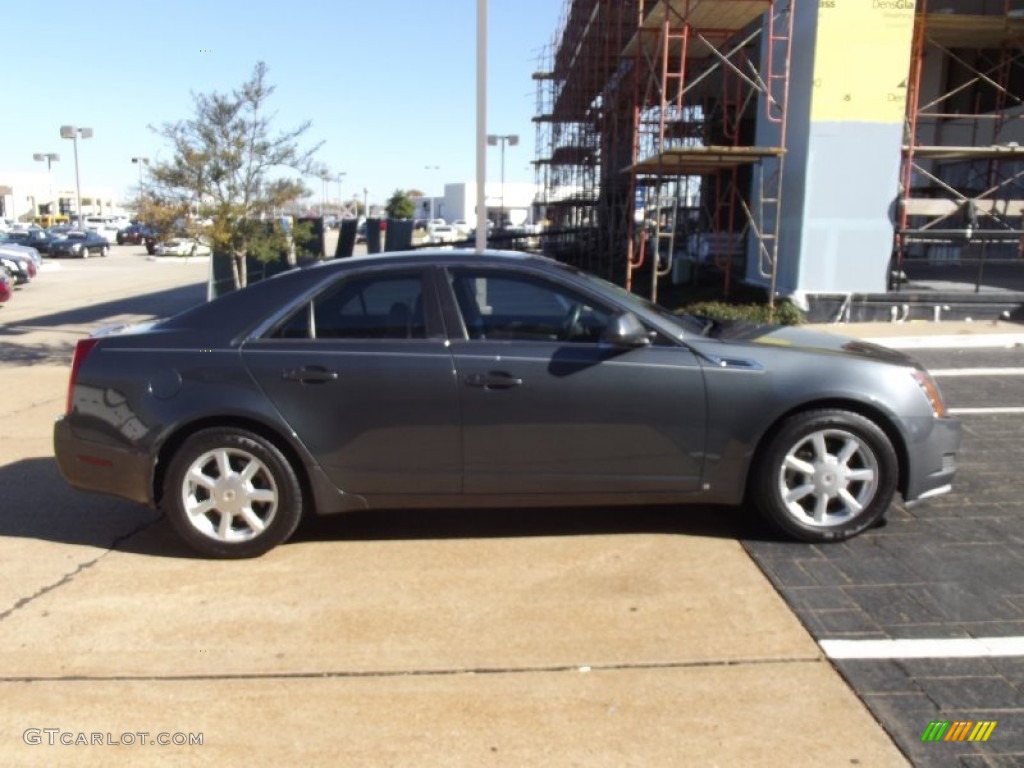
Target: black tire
830	499
224	529
105	250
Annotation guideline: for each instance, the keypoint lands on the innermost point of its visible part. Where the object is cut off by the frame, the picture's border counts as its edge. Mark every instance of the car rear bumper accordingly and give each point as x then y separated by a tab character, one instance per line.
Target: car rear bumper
932	463
91	466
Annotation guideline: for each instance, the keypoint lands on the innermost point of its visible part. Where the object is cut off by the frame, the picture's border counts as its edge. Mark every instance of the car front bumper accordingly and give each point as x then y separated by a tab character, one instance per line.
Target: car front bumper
932	460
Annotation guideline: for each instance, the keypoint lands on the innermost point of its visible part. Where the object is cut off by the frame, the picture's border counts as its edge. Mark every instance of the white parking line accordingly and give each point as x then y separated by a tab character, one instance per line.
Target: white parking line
965	341
993	409
976	371
948	648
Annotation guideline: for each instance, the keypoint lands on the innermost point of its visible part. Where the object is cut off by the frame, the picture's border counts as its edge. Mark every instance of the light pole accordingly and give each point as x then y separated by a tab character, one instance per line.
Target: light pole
49	157
324	176
481	125
341	175
432	168
72	132
492	140
140	161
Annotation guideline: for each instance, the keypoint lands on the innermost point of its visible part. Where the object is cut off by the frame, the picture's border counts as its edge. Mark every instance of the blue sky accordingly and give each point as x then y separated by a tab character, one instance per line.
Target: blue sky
389	86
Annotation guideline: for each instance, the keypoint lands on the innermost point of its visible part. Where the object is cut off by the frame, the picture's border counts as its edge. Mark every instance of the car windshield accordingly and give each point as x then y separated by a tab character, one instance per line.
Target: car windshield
686	322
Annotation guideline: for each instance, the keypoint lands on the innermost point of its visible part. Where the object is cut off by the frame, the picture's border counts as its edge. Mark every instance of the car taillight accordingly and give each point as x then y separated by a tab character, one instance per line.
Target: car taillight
82	350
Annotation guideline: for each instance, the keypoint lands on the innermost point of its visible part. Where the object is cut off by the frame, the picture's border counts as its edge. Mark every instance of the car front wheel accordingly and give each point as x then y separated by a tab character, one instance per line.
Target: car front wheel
825	475
230	493
105	250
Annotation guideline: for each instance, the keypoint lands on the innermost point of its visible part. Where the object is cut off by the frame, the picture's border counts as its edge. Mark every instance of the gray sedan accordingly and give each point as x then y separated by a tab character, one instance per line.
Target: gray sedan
453	379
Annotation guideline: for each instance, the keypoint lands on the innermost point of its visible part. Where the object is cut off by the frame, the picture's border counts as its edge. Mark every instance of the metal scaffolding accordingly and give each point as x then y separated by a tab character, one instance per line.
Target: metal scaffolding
961	199
647	114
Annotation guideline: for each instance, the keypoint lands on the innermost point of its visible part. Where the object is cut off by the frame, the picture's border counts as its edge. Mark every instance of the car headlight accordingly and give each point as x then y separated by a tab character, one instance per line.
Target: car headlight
76	247
931	391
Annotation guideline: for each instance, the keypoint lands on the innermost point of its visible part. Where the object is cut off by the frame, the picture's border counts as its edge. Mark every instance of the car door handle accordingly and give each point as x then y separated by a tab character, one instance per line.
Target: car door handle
493	380
312	374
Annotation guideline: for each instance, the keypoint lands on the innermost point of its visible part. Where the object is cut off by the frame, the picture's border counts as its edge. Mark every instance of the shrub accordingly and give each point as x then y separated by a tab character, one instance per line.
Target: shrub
785	313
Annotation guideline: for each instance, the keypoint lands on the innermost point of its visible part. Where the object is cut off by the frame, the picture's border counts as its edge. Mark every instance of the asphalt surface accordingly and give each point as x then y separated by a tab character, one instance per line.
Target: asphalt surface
950	568
620	637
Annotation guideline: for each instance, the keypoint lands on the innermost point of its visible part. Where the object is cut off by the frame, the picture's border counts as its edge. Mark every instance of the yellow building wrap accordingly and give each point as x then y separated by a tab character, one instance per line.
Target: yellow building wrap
861	60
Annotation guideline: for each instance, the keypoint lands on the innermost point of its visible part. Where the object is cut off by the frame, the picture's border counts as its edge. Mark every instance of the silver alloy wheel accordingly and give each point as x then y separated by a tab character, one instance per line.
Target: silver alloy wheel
229	495
828	478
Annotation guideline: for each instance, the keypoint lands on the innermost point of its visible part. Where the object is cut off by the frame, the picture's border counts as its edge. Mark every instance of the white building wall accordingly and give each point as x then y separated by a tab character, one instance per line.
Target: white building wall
23	191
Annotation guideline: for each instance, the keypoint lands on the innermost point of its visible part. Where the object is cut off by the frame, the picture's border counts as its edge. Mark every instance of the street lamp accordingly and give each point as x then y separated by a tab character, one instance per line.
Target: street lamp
324	176
432	168
139	208
72	132
341	175
140	161
492	141
49	157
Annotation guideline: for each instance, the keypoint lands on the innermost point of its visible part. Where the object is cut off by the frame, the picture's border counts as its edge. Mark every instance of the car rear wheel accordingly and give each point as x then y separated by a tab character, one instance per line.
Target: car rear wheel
230	493
825	475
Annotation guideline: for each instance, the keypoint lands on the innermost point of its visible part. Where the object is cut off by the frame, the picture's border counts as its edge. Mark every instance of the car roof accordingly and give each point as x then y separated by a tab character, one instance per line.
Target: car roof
235	312
435	256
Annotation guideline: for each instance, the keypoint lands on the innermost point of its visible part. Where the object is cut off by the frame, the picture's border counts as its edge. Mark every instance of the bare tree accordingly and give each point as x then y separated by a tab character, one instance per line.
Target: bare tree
228	172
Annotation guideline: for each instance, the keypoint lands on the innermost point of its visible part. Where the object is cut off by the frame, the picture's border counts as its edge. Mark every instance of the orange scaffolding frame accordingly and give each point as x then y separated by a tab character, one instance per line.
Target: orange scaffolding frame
961	177
646	111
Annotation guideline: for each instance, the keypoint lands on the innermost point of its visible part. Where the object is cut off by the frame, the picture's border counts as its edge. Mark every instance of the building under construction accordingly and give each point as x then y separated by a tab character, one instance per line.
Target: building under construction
827	150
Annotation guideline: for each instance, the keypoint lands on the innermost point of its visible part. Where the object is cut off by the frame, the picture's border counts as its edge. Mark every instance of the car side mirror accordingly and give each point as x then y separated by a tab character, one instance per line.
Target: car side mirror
626	330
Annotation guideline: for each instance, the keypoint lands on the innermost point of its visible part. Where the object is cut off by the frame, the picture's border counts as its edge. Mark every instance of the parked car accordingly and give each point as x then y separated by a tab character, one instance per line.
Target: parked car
5	285
105	226
36	238
10	244
134	234
80	243
182	246
20	267
448	378
442	233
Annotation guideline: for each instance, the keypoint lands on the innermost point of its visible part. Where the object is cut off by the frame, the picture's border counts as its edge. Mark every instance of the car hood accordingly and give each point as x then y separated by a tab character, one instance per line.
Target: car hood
806	340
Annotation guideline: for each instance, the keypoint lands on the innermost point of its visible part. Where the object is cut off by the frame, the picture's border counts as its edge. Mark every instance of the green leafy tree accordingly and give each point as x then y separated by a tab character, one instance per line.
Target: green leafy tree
228	173
400	205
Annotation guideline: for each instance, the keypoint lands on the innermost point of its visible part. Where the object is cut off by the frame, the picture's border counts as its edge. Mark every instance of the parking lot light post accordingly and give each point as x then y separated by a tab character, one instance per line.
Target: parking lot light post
140	161
50	158
432	168
340	175
492	140
72	132
324	176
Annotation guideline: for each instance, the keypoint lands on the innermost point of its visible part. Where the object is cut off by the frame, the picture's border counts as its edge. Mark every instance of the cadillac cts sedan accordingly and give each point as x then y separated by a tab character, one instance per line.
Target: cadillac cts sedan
447	378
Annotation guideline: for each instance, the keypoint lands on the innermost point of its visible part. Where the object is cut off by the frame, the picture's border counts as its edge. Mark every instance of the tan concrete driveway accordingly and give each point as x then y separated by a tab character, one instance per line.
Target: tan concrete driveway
618	638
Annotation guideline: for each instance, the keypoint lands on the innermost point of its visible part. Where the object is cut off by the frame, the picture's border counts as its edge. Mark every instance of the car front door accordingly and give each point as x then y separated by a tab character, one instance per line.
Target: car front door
549	408
363	375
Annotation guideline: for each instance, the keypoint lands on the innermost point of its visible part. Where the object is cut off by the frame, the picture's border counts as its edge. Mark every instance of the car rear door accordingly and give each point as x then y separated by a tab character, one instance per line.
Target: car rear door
363	375
548	408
